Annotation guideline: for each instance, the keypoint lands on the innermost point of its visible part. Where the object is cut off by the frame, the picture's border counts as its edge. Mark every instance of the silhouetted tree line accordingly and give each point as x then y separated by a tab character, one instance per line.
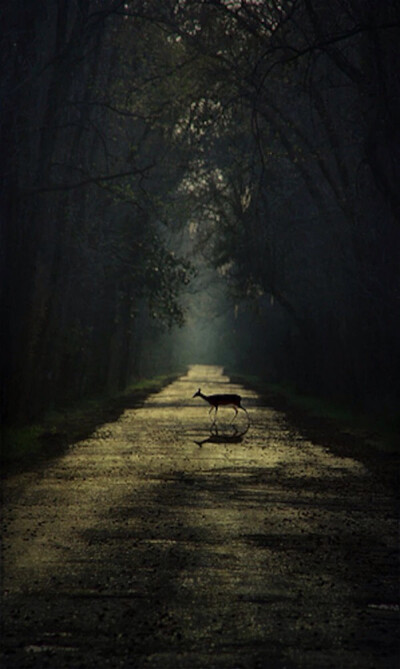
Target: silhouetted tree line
305	207
262	136
87	169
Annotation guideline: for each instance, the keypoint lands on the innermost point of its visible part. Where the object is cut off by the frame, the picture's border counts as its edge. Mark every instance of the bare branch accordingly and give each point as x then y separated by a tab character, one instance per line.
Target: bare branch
97	180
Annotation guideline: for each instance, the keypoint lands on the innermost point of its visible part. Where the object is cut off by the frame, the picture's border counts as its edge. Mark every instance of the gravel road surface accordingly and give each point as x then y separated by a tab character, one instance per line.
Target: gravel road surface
159	544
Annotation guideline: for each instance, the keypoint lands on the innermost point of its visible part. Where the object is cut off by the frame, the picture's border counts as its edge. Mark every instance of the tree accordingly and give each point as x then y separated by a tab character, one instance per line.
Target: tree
313	223
84	223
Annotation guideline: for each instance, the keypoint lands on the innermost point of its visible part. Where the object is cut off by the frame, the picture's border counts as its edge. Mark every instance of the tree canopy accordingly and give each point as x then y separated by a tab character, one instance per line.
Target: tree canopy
145	142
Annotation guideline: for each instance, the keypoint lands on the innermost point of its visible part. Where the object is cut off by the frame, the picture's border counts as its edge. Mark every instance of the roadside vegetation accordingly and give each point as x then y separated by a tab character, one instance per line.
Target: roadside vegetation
60	428
378	431
370	438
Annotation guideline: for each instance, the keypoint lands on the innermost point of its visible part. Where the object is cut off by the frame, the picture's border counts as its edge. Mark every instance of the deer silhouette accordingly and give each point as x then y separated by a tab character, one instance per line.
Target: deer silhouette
227	400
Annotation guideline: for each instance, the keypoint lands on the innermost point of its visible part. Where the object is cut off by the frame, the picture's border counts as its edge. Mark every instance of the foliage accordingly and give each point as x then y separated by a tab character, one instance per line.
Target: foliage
144	139
304	212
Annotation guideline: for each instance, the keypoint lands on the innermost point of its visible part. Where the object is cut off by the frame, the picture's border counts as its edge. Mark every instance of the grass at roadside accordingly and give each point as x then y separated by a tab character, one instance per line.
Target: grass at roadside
372	439
379	432
57	429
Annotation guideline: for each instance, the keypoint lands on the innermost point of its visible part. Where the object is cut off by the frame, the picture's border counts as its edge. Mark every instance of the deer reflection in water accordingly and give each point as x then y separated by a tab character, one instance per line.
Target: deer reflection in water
216	437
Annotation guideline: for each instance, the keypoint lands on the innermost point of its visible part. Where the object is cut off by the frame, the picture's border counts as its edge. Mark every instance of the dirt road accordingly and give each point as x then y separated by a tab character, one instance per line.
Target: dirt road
155	544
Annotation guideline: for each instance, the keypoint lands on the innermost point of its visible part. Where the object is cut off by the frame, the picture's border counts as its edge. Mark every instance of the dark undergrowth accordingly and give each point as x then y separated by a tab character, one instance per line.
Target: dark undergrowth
373	439
25	446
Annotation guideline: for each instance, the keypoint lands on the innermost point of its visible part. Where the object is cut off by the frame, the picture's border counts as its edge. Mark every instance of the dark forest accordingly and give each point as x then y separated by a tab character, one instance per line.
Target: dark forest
199	181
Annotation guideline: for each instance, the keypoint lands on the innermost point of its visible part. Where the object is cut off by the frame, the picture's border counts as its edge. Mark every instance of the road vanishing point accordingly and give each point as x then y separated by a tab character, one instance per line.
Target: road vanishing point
157	543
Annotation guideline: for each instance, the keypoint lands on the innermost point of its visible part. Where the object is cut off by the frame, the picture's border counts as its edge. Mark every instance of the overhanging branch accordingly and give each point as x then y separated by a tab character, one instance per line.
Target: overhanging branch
97	180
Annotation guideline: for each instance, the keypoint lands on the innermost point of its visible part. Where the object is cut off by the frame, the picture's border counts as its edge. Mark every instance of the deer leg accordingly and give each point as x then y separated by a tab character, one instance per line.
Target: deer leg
236	413
246	412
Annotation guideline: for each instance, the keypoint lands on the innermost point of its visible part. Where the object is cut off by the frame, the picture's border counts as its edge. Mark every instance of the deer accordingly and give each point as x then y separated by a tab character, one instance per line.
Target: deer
223	400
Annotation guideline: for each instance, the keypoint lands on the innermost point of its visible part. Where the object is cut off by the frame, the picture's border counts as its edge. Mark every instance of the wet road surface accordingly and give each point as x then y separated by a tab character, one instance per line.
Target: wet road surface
157	544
